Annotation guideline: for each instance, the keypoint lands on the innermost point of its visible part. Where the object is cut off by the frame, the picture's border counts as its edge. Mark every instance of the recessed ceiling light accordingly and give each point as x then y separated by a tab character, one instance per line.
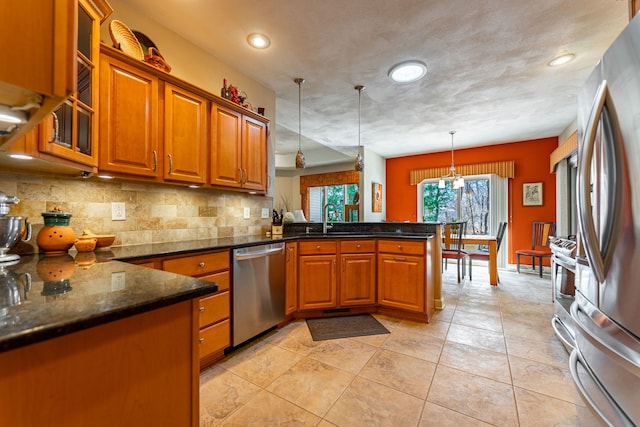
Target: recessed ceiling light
561	60
408	71
259	41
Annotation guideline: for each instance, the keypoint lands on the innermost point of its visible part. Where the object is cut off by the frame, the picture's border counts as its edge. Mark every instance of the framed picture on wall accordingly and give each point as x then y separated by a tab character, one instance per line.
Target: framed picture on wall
376	199
532	194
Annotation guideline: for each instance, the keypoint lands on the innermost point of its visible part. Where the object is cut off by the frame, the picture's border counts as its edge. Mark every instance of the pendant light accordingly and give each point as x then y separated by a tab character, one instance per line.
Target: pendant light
300	161
359	161
457	181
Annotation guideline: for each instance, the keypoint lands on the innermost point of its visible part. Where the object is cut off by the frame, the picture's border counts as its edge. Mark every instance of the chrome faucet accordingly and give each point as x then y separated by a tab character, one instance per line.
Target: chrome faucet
324	218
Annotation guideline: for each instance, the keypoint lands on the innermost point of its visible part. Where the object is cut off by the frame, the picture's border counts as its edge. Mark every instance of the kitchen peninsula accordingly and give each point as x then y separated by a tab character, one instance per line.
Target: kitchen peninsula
89	341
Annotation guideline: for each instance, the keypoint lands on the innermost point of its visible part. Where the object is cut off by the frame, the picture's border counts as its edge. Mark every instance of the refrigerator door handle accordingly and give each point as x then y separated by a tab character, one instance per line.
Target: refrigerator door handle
603	108
622	420
621	352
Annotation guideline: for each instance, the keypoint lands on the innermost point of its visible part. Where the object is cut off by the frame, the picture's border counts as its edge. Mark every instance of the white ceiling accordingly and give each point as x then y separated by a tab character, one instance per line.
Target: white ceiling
487	78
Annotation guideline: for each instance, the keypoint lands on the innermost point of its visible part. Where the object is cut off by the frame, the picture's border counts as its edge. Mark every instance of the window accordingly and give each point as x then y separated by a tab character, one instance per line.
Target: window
482	203
340	195
469	203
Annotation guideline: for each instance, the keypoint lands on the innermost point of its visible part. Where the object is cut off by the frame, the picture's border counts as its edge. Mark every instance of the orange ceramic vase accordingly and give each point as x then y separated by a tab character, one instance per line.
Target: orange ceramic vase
56	236
55	239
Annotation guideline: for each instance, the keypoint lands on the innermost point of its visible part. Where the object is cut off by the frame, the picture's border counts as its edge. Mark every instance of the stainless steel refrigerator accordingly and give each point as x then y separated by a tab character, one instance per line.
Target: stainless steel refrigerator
605	364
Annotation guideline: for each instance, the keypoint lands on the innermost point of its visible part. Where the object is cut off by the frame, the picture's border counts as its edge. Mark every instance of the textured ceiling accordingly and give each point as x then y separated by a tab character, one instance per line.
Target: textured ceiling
487	78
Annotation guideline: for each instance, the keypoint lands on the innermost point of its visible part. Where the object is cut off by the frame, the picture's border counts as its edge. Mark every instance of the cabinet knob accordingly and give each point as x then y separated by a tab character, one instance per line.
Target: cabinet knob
318	247
202	309
201	340
400	247
358	246
201	265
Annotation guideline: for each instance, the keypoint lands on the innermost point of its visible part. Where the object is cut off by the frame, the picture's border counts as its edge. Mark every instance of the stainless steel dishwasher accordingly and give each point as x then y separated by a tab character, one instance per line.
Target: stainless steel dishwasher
258	290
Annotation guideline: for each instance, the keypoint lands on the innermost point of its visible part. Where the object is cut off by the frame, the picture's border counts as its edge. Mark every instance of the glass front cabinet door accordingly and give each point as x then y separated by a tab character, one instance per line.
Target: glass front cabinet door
70	132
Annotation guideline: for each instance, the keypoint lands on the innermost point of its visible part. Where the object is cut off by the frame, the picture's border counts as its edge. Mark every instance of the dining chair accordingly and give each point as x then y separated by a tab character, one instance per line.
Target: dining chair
453	247
484	255
541	233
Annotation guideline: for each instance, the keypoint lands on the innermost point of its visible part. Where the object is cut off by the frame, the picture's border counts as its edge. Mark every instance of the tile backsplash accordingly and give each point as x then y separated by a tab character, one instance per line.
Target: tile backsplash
155	213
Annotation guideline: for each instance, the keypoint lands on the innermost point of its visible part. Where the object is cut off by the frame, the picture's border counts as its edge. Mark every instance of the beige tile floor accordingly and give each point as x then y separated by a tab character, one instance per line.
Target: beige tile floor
488	359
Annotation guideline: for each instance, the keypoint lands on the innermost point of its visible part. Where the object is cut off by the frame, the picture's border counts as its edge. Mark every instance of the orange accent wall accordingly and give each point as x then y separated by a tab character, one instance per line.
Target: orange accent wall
531	165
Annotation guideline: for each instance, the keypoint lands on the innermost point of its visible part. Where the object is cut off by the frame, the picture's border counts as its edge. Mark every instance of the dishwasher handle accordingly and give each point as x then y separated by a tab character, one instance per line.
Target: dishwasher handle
253	255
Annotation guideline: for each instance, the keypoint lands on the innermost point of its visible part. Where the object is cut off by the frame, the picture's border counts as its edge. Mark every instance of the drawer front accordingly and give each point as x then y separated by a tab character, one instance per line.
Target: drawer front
222	278
357	246
316	247
214	338
401	247
214	308
198	265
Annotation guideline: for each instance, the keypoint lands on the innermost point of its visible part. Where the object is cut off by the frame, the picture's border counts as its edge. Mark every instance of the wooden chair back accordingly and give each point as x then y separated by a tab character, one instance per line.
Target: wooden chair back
541	233
453	232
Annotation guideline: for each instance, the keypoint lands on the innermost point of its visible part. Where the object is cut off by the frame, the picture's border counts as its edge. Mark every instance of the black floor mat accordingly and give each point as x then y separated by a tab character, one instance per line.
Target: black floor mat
329	328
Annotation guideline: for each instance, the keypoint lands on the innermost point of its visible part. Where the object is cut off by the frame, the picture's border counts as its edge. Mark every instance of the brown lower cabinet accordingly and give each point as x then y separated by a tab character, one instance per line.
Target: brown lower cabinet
357	273
136	371
363	274
401	275
317	278
215	310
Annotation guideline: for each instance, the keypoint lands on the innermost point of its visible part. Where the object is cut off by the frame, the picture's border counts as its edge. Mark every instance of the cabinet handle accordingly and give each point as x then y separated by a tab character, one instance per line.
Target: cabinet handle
155	160
344	264
201	340
334	265
170	164
289	250
399	259
202	309
245	176
201	265
56	128
240	175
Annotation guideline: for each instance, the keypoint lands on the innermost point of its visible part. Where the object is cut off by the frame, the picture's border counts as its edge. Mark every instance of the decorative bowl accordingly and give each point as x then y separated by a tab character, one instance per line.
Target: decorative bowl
105	240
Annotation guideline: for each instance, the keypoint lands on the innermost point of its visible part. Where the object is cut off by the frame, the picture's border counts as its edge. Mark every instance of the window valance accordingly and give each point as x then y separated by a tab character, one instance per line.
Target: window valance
504	169
563	151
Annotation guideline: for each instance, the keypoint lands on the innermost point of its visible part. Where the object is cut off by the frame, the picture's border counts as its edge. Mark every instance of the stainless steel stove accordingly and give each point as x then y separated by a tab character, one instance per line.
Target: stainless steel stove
563	268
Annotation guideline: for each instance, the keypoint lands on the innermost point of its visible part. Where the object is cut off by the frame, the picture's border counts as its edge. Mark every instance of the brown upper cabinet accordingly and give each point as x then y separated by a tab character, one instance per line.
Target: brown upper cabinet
129	142
238	150
70	133
185	136
153	125
29	29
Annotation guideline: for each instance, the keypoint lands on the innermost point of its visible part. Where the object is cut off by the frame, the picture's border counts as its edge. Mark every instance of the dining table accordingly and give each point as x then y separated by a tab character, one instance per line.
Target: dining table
477	239
490	241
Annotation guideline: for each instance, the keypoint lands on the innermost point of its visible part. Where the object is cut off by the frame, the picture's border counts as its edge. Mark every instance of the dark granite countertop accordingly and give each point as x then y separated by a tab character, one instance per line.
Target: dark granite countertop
76	291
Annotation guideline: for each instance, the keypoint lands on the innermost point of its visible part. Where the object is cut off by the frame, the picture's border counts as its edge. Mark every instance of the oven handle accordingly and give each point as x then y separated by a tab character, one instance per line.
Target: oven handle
576	358
261	254
556	324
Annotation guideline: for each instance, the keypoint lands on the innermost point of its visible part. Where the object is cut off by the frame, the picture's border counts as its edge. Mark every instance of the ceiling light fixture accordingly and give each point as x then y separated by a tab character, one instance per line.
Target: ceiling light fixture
561	60
259	41
408	71
300	161
457	181
359	161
